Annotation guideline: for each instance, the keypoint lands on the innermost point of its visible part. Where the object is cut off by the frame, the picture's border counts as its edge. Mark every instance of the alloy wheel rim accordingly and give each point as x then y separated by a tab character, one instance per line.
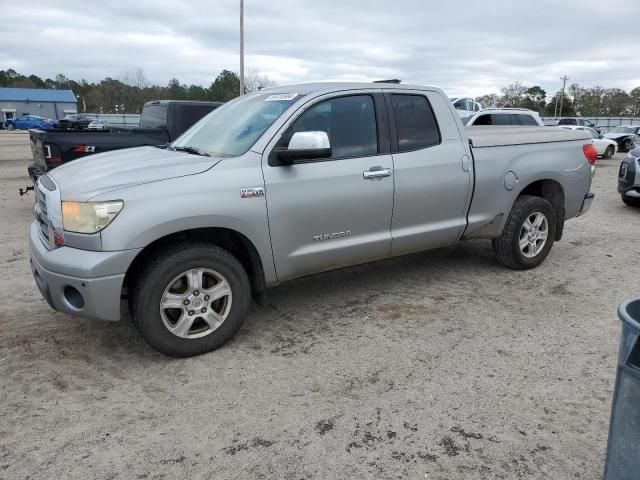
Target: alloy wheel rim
533	234
195	303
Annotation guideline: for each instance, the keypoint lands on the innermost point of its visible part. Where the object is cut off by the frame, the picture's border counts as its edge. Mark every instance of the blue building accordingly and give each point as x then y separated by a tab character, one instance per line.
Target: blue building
46	102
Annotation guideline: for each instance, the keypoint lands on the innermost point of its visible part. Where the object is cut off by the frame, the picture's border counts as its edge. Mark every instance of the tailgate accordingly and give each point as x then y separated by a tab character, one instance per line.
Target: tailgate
36	138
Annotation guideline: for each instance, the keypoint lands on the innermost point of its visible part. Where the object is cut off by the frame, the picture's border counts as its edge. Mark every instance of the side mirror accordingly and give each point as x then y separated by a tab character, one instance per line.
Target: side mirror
305	146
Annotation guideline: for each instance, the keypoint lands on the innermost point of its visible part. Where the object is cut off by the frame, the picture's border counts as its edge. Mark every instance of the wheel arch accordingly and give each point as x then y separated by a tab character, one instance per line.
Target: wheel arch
230	240
553	192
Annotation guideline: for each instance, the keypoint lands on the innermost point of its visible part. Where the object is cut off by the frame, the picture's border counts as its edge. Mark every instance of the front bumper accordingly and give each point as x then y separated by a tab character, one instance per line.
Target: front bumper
80	282
586	203
629	176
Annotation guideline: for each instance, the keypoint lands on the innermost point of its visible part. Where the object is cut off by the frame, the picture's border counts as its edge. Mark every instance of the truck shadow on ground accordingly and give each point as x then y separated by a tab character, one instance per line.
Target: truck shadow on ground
295	306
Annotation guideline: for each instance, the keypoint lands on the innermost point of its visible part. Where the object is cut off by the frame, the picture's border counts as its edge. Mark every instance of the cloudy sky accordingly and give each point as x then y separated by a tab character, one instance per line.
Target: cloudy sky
468	47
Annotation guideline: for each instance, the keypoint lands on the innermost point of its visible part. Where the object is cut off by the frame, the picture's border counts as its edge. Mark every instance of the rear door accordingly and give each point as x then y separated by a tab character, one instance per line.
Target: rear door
331	212
432	172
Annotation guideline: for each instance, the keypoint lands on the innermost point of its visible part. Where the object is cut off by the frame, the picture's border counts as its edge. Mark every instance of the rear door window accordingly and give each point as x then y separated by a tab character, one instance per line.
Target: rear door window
501	119
416	124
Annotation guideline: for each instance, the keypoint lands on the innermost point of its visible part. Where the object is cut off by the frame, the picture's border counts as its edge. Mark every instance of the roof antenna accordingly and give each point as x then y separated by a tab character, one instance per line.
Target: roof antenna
392	80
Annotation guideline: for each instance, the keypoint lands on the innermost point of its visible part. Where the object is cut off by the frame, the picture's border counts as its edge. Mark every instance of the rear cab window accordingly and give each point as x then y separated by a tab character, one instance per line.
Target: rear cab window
154	116
416	124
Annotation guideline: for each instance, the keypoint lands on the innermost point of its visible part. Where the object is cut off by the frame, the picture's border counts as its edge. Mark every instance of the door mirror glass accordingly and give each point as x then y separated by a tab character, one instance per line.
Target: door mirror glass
305	145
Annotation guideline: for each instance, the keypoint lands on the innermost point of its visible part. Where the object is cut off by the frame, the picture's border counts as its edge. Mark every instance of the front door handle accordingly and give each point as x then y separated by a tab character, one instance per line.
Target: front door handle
376	172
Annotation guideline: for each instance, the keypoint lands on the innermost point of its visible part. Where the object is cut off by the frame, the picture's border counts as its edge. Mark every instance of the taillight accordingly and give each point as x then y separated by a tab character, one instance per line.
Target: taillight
52	154
590	152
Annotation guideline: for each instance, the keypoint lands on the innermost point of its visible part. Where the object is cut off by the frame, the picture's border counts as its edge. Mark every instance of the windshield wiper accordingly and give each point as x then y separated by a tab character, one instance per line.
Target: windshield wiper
192	150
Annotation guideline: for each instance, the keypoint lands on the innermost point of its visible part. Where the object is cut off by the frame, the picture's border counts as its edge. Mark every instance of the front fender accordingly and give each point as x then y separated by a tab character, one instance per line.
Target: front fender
210	199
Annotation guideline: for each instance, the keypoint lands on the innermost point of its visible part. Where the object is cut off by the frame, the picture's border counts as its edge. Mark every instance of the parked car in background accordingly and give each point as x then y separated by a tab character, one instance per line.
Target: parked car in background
629	178
75	121
97	125
465	106
504	116
626	136
579	122
605	146
162	121
287	182
29	121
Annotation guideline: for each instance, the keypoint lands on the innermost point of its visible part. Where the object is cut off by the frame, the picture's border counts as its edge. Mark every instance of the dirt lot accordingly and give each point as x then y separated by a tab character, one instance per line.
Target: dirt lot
440	365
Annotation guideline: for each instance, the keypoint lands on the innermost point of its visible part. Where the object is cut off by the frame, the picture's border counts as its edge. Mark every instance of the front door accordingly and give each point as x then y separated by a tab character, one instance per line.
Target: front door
332	212
432	172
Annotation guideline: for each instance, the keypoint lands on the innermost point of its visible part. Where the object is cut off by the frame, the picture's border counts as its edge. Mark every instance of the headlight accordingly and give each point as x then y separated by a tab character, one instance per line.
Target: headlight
89	217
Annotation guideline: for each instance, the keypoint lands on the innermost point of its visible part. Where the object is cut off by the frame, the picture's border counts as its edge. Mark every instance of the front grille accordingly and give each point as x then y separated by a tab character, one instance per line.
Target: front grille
42	215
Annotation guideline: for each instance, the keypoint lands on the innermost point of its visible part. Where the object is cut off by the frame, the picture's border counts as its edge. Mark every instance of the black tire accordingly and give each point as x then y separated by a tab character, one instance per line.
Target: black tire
11	126
631	201
506	247
608	153
628	145
156	275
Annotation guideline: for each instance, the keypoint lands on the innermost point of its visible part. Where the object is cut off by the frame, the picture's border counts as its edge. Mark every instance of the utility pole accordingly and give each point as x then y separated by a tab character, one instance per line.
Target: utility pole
564	82
241	47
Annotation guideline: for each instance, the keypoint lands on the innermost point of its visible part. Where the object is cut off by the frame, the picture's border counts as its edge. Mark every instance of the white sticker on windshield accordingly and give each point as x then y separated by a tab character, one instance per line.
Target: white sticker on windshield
279	97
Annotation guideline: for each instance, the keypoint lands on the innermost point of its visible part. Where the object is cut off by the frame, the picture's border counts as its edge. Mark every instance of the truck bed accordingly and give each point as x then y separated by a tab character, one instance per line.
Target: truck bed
498	136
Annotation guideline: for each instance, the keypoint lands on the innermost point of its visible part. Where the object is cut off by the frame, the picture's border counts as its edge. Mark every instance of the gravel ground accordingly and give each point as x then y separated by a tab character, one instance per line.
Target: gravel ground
440	365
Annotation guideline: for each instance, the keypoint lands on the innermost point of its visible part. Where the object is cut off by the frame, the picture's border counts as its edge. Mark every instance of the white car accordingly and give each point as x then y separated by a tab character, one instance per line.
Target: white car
465	106
605	146
97	125
504	116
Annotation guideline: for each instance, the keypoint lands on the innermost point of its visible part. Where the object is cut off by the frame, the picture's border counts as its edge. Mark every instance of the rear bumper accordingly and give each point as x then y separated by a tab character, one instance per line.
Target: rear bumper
35	172
633	193
80	282
586	203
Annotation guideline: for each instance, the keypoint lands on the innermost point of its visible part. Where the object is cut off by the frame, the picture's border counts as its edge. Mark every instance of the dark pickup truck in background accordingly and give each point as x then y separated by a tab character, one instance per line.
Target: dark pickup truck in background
162	121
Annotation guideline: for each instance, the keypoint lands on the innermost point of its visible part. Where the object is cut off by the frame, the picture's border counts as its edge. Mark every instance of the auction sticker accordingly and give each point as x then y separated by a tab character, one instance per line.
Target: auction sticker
279	97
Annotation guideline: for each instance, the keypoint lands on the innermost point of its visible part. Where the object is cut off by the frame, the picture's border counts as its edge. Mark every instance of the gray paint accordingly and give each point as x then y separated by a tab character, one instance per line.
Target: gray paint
425	203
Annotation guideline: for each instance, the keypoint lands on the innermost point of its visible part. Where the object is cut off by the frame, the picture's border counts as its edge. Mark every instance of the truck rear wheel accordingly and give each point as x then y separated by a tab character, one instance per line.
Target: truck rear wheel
190	299
528	234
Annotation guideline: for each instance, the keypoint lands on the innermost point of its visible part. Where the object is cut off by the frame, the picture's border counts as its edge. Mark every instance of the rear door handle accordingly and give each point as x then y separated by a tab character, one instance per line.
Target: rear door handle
376	172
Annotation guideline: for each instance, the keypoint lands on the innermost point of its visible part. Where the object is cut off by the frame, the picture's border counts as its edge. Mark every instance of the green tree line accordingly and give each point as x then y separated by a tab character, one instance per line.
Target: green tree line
576	101
129	92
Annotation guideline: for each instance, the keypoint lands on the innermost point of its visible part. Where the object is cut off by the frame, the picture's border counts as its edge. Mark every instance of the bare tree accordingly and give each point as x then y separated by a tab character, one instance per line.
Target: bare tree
253	81
135	78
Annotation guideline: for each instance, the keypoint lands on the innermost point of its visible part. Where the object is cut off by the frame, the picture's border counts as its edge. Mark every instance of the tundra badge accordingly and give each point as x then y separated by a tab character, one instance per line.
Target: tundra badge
331	236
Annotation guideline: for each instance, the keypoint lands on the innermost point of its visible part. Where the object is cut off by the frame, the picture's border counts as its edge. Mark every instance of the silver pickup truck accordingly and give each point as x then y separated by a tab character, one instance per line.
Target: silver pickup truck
287	182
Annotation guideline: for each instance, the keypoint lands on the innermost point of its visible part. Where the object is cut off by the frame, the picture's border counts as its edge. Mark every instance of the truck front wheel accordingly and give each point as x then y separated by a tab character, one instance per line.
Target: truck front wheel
190	299
528	234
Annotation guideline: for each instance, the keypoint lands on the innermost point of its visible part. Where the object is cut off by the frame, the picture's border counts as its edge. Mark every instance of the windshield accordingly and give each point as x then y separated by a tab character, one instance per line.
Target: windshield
621	130
232	129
